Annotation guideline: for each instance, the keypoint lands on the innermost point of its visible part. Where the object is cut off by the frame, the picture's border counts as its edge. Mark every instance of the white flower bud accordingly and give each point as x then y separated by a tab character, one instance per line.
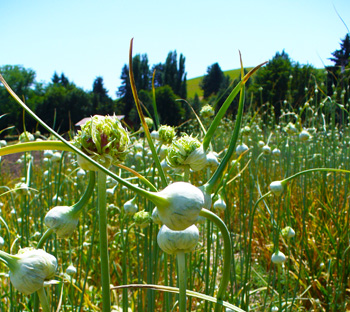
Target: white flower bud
62	220
2	242
240	149
277	187
304	135
288	232
261	144
219	205
155	135
266	150
173	242
30	268
278	257
212	160
71	270
130	207
276	152
182	205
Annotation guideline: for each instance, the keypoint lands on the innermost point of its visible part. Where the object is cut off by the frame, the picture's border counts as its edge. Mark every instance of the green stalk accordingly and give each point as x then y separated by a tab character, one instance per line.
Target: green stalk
87	194
102	210
181	272
314	170
219	171
225	106
143	121
227	254
43	300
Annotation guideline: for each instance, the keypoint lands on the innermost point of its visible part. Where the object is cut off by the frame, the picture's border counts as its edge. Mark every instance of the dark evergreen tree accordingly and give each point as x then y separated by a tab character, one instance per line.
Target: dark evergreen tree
55	78
341	57
101	102
211	82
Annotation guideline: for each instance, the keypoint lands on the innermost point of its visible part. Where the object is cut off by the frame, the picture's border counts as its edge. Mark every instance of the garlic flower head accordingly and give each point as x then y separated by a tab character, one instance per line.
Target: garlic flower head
207	111
181	205
26	137
62	220
166	134
104	140
186	151
173	242
30	268
142	218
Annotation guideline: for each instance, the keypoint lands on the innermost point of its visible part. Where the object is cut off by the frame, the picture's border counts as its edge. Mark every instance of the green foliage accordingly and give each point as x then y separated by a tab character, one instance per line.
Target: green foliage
22	81
66	104
170	111
282	80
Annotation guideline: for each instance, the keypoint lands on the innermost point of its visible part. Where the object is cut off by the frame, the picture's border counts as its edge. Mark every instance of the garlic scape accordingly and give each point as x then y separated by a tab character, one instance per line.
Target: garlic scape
29	269
63	220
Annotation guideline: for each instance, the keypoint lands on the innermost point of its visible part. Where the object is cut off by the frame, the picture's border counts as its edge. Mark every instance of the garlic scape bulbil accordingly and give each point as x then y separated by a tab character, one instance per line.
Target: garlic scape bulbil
103	139
29	269
63	220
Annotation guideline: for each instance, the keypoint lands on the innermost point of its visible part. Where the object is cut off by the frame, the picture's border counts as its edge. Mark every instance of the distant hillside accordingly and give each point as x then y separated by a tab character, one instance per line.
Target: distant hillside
193	84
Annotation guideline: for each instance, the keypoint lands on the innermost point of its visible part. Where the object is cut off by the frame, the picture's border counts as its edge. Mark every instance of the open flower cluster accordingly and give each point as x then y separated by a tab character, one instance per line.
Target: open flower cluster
186	151
103	139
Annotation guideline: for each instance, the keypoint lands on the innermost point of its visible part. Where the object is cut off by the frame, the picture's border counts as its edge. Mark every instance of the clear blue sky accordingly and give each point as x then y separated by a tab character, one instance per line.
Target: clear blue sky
86	39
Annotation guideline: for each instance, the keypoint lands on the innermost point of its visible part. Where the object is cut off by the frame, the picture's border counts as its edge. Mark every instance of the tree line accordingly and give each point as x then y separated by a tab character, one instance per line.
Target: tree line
60	103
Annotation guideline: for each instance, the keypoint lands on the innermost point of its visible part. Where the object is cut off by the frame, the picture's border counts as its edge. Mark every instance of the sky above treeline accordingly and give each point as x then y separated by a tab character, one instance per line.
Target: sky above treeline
87	39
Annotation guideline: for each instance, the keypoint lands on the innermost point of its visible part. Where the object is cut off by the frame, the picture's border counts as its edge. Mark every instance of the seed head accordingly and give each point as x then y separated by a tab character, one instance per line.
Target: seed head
103	139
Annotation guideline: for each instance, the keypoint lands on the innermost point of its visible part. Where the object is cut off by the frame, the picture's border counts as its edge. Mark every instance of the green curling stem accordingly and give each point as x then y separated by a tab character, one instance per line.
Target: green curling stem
34	146
87	194
43	300
181	272
8	260
105	272
44	238
227	254
313	170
